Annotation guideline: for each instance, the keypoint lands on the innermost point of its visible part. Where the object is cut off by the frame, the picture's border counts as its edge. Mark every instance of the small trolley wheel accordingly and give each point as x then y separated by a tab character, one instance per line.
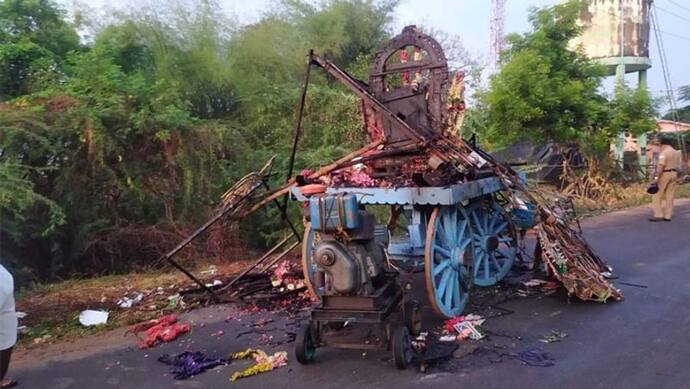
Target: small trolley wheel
412	317
305	347
402	347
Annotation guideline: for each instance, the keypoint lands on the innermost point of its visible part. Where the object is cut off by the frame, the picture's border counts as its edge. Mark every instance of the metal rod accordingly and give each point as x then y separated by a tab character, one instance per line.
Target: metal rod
168	257
354	86
257	263
285	189
283	213
192	277
298	124
205	226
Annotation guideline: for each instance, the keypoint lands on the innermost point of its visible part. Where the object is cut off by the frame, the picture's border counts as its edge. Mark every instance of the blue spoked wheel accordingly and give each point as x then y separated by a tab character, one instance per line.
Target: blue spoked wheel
309	240
495	242
447	256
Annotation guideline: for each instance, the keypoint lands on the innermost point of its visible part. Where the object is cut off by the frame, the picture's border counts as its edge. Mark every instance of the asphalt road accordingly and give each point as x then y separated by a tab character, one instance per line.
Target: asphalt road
642	342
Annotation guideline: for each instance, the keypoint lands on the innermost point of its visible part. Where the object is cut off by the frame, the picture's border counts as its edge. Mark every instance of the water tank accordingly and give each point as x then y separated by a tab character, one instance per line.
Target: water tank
616	33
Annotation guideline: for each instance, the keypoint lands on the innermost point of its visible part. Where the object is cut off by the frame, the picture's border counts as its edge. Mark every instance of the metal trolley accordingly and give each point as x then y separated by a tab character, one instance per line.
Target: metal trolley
459	235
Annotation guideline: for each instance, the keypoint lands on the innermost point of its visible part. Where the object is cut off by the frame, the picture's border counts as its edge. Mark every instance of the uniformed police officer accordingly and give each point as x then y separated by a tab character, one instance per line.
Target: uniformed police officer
665	177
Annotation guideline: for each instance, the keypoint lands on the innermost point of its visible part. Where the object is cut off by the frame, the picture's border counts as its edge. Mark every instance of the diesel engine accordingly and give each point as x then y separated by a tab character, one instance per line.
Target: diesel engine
346	250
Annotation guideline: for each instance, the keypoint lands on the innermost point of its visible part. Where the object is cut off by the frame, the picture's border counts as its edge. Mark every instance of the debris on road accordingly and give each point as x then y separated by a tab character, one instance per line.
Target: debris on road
127	302
174	300
91	317
534	282
538	287
264	362
430	351
164	329
554	336
533	357
188	364
463	327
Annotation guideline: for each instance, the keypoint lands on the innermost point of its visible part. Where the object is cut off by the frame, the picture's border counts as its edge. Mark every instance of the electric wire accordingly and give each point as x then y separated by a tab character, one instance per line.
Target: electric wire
672	13
679	5
687	38
666	73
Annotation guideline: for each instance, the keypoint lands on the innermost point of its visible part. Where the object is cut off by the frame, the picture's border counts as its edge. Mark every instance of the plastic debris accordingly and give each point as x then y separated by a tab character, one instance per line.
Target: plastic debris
467	330
164	329
212	270
264	362
187	364
127	302
554	336
464	327
90	318
174	300
448	338
538	287
534	282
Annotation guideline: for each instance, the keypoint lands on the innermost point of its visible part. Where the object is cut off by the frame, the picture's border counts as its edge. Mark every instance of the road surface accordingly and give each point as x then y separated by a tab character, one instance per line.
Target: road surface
642	342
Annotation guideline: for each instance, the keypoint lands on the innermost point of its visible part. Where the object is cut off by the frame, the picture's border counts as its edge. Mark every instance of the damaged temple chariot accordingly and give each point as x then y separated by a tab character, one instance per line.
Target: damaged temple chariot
455	212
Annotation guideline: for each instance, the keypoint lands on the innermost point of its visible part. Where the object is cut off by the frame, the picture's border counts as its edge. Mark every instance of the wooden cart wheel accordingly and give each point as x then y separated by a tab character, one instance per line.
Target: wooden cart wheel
495	242
447	254
308	266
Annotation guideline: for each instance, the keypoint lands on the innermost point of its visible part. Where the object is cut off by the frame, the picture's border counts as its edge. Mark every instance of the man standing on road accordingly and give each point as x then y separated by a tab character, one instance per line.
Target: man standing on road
665	177
8	326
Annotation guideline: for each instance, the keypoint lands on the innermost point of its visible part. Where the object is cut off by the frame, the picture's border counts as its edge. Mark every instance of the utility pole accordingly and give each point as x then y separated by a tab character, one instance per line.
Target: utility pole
496	23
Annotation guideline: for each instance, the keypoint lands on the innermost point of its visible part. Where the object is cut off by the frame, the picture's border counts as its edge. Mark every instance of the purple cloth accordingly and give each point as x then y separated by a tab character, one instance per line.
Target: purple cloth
534	357
187	364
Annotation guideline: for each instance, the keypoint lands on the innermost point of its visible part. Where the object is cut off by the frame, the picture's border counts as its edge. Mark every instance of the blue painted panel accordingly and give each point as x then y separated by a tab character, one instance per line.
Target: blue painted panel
329	212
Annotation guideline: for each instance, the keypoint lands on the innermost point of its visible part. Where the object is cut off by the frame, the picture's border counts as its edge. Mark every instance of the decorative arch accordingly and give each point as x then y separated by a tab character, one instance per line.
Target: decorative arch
420	104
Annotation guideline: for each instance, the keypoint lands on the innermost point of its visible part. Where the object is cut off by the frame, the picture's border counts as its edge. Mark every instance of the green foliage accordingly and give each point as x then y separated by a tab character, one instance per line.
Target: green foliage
545	91
157	116
682	112
633	110
684	93
34	40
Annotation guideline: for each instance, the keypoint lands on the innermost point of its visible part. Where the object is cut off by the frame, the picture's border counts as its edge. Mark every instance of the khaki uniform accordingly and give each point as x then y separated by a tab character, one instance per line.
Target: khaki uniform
671	159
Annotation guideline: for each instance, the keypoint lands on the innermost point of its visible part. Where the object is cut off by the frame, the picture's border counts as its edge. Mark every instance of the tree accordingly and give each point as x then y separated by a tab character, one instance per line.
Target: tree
34	41
632	110
545	91
682	112
684	93
142	128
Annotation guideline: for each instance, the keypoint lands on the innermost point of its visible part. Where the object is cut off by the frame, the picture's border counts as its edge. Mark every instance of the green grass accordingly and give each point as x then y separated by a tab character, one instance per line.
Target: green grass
64	325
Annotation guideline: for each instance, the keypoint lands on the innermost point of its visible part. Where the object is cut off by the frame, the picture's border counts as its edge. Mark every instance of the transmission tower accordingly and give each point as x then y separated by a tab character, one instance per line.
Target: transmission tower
497	19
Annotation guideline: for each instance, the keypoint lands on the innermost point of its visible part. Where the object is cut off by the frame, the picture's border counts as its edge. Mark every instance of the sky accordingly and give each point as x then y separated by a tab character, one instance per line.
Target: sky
469	19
